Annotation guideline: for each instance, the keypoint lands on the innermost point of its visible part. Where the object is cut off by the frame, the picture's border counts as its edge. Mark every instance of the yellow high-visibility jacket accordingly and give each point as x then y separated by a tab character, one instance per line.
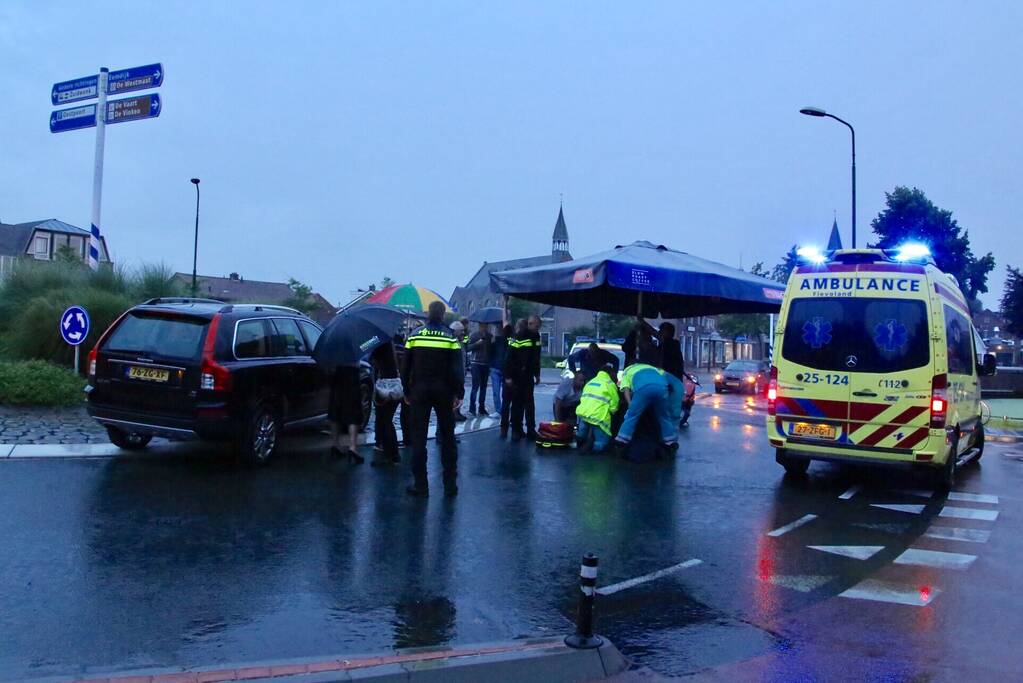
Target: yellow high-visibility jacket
599	402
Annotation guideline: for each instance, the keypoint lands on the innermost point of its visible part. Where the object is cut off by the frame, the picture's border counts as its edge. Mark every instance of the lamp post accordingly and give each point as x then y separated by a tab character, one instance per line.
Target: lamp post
195	248
815	111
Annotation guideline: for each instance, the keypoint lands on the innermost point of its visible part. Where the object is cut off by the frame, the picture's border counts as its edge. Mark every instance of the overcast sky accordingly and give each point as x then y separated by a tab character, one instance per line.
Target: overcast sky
341	142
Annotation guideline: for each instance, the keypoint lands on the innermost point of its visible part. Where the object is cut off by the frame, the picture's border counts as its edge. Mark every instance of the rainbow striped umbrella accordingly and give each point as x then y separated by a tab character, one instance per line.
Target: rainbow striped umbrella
408	297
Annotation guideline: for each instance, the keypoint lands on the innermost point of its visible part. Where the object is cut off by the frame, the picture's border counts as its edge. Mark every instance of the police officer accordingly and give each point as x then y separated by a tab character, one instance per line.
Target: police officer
524	360
433	379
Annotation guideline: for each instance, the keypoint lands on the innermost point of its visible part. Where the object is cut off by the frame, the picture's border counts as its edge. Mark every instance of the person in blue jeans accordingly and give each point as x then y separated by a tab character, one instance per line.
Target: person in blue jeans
676	394
645	388
498	354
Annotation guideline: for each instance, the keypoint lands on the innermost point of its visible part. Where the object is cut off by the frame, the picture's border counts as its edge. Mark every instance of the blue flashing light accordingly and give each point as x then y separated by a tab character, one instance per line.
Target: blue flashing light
811	255
911	251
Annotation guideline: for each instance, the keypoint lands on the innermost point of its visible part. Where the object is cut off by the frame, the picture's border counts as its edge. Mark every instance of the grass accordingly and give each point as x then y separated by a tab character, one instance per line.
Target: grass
1006	413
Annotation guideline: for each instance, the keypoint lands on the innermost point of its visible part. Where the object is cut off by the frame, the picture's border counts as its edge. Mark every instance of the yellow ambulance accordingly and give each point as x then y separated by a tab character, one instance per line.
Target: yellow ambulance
876	360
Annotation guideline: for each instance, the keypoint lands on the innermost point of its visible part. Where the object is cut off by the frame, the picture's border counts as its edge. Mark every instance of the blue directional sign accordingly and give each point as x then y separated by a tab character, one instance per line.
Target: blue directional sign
118	111
74	325
125	80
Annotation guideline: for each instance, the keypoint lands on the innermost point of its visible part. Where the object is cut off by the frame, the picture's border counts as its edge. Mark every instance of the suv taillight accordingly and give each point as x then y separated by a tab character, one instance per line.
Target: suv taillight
92	362
772	391
939	401
212	375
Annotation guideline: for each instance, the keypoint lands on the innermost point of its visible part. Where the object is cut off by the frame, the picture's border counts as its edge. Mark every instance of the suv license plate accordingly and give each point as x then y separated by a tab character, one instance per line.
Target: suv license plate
148	374
817	431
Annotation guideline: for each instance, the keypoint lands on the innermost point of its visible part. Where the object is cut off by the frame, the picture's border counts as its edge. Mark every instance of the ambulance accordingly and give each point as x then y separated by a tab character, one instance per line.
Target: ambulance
876	360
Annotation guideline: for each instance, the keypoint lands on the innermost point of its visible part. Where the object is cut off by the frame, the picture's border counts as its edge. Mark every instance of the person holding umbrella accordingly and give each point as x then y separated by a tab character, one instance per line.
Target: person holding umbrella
346	340
434	380
479	348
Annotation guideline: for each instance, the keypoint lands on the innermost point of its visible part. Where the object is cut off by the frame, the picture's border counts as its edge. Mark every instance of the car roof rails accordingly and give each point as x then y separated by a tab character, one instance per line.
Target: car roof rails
268	307
180	300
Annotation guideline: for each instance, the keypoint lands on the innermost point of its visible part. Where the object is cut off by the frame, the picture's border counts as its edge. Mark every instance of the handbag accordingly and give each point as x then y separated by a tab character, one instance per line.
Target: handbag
389	389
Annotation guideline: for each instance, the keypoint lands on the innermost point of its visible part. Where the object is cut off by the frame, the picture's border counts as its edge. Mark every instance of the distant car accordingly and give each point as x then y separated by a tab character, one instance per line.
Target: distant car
202	369
614	347
744	377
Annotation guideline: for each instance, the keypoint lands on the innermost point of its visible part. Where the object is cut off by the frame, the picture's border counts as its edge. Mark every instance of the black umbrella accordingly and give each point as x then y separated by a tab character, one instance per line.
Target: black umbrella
489	315
351	335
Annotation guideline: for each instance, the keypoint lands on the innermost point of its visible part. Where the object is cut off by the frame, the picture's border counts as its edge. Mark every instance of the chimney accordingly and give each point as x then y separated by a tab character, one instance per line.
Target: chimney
234	276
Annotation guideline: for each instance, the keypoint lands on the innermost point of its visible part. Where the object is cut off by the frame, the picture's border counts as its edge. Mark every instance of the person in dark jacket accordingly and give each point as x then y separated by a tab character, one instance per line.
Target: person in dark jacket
524	363
434	380
672	360
479	348
498	357
641	336
591	359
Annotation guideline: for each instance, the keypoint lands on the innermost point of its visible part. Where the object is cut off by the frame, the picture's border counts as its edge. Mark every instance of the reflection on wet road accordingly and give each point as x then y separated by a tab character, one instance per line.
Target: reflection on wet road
716	560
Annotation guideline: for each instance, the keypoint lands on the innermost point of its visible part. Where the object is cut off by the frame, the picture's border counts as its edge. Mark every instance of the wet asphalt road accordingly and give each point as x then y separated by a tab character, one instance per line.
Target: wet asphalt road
185	559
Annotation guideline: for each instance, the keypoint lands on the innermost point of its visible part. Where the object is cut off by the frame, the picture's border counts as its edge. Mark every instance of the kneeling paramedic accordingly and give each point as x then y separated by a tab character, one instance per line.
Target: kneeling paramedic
434	380
645	388
599	401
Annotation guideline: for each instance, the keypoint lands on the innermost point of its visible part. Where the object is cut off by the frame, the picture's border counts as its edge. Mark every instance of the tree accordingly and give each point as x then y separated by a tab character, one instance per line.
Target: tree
910	216
783	270
301	297
614	326
68	256
520	308
735	324
759	270
1012	301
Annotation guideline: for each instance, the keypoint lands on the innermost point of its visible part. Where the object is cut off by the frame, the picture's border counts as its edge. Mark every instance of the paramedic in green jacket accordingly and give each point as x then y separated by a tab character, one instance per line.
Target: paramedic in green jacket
598	403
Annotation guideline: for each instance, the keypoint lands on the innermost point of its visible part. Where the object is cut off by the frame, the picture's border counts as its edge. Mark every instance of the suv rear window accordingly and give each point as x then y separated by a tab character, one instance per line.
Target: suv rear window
744	366
882	335
152	335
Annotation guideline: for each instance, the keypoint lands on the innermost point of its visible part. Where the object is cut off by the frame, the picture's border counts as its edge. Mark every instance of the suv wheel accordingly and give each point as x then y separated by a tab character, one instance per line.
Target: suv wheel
128	441
797	466
260	434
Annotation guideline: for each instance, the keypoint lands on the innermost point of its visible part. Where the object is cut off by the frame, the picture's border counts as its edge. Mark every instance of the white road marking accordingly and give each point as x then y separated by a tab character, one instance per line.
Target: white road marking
912	509
973	497
935	558
616	587
850	492
951	533
882	591
805	519
5	450
800	582
857	552
969	513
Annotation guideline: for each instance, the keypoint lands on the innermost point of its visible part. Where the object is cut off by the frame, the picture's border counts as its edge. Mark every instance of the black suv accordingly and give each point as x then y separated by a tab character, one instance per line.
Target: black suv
199	368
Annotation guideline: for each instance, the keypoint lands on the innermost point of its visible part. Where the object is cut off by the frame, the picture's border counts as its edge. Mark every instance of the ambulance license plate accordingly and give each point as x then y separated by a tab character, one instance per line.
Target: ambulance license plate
816	431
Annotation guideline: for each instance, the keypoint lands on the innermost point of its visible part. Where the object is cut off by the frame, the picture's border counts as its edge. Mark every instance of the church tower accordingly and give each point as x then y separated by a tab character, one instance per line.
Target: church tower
559	242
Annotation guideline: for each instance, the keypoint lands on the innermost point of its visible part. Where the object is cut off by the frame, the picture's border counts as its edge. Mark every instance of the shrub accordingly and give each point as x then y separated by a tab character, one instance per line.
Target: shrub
37	383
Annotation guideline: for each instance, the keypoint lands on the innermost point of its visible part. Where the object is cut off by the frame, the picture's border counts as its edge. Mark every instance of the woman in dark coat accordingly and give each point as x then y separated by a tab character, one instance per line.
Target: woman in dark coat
345	412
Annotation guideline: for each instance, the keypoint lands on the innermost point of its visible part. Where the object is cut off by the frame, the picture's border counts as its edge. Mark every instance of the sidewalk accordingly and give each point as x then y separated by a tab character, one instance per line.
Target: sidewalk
547	659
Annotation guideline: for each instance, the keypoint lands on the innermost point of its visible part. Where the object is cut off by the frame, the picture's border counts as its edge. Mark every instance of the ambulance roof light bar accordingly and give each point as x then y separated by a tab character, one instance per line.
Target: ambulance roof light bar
912	251
812	255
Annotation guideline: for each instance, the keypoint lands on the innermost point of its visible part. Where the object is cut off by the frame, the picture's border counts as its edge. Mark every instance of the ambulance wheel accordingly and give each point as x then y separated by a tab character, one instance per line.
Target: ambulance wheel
792	465
946	474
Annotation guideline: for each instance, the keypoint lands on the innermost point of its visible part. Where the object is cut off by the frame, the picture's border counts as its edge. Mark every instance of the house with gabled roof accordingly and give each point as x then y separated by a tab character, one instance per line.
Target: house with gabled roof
43	241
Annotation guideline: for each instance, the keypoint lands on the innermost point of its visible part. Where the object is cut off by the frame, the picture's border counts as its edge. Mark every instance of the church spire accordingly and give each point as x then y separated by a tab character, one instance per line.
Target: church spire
835	240
559	241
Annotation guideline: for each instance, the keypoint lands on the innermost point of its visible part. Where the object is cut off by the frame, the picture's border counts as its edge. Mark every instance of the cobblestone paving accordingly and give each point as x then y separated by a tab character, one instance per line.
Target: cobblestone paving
20	425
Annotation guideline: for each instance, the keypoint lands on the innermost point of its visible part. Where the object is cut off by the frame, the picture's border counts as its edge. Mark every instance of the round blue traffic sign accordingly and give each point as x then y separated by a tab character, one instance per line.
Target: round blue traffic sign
74	325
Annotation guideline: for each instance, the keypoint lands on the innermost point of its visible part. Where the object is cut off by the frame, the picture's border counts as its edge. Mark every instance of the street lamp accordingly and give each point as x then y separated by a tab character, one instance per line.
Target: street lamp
815	111
195	248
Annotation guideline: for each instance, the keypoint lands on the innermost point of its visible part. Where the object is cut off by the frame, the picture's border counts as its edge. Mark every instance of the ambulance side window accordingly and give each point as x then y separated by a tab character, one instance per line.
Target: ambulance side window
959	342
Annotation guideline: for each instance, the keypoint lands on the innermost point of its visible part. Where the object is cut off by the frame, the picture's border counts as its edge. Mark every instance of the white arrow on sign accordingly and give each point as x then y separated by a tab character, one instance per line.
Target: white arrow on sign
74	335
81	319
67	321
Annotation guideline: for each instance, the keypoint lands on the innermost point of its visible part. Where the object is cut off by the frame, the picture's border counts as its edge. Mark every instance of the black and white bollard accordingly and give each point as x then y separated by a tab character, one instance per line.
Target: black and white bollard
584	638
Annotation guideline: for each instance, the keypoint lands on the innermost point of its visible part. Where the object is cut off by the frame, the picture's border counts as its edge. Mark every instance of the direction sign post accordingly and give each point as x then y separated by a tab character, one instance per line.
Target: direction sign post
97	174
74	328
100	114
